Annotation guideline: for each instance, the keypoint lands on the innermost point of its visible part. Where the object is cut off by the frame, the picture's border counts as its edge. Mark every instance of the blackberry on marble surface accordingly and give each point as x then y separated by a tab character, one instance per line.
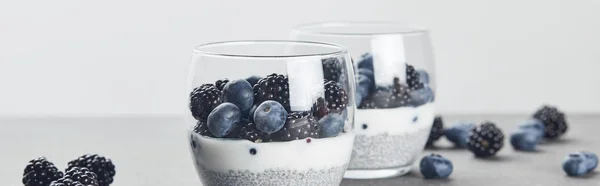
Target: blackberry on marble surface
100	165
336	97
83	175
437	130
299	125
40	172
554	121
273	87
203	100
485	140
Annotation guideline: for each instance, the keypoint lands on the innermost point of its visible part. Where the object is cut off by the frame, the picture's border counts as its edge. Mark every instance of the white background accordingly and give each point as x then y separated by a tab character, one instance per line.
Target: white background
130	57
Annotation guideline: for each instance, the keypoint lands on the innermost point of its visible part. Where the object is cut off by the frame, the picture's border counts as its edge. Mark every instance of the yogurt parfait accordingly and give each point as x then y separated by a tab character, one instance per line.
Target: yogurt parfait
271	113
394	92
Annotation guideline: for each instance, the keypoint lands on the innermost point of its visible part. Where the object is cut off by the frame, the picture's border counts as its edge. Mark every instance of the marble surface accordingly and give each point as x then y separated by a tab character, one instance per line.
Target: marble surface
154	151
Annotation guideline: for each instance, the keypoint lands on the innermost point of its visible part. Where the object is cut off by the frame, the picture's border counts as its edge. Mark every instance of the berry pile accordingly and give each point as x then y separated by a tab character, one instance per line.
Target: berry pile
371	96
258	109
87	170
547	122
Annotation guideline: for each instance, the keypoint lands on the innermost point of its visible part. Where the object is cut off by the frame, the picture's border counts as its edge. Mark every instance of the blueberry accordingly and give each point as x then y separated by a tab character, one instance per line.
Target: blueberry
533	125
253	80
331	125
240	93
459	133
435	166
223	119
270	116
367	72
363	88
423	76
525	140
591	160
421	96
366	61
575	164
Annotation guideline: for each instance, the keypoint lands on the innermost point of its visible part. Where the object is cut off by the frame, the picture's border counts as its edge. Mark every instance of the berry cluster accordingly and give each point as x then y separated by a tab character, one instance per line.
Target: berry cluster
258	109
371	96
547	122
87	170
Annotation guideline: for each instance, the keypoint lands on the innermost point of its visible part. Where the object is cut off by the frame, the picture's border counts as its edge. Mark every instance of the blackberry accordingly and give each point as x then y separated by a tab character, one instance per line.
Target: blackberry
335	96
437	130
247	130
101	166
485	140
220	84
412	78
333	68
299	125
400	94
381	98
273	87
554	121
319	108
82	175
203	100
202	128
40	172
66	182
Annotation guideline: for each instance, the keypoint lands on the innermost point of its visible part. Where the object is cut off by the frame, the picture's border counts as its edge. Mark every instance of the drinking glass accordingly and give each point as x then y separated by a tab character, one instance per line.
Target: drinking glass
394	92
271	112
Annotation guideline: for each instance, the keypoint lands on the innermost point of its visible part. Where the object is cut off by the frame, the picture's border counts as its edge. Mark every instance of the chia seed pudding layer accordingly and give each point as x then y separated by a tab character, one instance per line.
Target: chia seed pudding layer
387	151
275	177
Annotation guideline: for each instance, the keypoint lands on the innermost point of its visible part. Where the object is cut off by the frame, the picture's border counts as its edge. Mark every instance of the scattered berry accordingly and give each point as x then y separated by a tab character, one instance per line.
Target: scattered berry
220	84
66	182
100	165
203	100
591	160
335	96
459	134
333	68
240	93
423	76
435	166
299	125
331	125
412	78
223	119
319	108
575	164
534	125
554	121
202	128
270	116
273	87
437	130
366	61
524	140
40	172
85	176
485	140
253	80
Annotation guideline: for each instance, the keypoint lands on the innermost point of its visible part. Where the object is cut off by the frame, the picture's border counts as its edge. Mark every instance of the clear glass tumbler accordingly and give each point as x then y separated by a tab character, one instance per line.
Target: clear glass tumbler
271	112
394	92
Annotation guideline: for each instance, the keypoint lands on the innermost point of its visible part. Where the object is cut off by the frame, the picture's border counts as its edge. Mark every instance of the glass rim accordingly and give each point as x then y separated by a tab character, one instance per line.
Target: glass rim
202	48
410	29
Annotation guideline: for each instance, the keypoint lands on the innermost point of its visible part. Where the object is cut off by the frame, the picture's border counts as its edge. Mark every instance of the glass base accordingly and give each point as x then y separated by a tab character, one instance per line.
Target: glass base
376	173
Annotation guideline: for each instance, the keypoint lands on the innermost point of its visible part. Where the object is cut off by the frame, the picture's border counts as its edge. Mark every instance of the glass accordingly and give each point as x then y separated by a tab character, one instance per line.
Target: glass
271	112
394	92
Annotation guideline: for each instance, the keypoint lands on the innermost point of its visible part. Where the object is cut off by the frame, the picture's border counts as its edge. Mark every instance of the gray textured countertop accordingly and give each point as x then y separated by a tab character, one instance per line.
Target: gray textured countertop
154	152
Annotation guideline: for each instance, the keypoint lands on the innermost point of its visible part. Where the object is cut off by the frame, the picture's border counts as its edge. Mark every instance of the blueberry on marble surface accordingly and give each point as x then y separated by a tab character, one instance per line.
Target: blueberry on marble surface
223	119
575	164
591	160
524	140
331	125
270	116
459	133
435	166
533	125
240	93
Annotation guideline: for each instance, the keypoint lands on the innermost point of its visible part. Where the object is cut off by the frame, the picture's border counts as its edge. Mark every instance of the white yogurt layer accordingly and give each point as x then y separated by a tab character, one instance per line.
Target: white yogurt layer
394	121
227	154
